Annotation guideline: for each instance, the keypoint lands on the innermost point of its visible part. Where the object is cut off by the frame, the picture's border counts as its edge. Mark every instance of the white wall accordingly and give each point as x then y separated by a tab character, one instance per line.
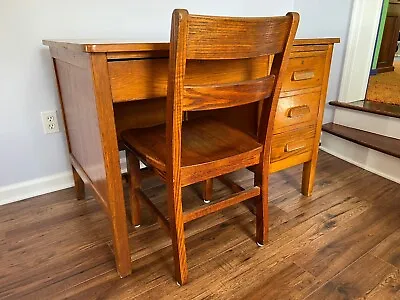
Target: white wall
27	84
322	18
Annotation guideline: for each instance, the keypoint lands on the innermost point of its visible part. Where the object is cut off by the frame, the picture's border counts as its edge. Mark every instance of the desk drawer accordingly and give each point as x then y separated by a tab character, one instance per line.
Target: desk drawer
305	70
140	79
287	146
297	110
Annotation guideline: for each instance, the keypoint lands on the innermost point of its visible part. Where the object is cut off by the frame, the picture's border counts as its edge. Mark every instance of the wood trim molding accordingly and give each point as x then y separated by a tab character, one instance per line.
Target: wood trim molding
377	108
360	49
381	143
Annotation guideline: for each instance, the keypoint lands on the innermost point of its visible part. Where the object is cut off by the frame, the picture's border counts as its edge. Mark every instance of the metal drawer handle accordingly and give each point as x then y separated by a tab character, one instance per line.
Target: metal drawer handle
294	146
303	75
298	111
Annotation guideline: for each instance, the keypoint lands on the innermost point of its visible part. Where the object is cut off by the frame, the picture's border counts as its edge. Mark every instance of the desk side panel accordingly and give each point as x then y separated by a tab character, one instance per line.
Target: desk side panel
79	108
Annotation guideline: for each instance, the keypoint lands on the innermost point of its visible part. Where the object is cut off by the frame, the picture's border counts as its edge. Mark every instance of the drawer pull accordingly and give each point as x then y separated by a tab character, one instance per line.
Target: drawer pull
298	111
294	147
303	75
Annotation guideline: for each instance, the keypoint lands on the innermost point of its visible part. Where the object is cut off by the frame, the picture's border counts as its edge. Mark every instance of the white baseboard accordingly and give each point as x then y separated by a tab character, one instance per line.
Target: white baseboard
36	187
368	159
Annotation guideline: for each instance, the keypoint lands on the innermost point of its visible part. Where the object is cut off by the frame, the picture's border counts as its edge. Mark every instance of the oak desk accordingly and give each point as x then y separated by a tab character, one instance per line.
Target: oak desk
106	87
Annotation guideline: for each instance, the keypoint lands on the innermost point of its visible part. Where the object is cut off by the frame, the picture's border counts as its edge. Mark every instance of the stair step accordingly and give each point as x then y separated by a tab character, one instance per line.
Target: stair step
384	144
385	109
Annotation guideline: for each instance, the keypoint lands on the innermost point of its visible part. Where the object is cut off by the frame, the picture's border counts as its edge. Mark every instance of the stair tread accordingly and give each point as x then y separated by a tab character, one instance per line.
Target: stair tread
385	109
384	144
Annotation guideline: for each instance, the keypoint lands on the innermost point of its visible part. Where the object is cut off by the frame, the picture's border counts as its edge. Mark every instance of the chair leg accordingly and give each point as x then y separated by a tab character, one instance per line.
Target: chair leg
208	190
177	233
262	207
134	183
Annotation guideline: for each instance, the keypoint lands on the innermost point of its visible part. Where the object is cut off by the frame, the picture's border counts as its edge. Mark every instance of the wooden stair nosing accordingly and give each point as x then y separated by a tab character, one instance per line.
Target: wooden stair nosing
384	111
384	144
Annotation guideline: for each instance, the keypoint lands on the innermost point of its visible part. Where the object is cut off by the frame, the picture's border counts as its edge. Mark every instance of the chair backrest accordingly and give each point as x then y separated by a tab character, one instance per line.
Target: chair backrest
195	37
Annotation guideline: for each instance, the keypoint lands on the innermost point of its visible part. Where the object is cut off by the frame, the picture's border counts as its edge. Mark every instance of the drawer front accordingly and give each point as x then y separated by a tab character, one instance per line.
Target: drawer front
147	78
138	79
297	110
305	70
293	143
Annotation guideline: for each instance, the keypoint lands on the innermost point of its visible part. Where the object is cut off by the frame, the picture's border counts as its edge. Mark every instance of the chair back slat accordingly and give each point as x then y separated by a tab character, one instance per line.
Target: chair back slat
217	38
206	97
204	38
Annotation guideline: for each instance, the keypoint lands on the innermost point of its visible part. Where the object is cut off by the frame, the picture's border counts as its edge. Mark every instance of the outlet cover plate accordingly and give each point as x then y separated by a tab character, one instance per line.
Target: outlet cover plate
50	121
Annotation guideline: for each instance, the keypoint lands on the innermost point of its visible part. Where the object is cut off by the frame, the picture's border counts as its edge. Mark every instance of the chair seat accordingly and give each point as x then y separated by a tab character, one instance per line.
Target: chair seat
209	148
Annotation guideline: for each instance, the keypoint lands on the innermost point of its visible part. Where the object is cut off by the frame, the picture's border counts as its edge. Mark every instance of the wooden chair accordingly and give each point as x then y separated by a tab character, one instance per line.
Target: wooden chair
185	152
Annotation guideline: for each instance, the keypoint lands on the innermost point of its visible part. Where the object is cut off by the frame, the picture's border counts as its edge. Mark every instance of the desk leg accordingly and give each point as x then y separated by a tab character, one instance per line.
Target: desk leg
79	185
120	239
309	169
115	193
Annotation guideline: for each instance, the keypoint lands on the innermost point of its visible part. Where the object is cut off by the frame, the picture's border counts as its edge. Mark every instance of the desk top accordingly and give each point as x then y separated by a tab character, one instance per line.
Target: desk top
132	46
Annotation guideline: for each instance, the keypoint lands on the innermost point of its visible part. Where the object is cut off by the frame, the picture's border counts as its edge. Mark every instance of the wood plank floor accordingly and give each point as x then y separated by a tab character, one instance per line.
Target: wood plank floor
341	243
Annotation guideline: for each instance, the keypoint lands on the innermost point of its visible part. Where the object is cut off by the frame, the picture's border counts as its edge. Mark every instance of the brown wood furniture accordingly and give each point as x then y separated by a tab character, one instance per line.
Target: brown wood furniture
388	48
184	152
109	86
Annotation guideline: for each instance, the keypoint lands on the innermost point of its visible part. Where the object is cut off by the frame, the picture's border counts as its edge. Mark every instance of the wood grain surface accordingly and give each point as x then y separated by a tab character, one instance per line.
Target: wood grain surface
340	243
381	143
101	79
120	46
185	152
374	107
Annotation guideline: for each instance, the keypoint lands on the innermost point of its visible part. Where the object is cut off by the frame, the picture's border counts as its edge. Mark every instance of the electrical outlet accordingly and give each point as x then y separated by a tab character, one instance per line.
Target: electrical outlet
50	122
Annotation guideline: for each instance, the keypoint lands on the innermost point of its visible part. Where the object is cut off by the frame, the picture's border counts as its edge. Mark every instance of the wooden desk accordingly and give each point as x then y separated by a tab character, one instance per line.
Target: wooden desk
108	87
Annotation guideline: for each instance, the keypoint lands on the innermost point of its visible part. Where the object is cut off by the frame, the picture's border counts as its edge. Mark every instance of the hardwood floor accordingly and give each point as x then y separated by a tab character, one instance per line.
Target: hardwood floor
341	243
